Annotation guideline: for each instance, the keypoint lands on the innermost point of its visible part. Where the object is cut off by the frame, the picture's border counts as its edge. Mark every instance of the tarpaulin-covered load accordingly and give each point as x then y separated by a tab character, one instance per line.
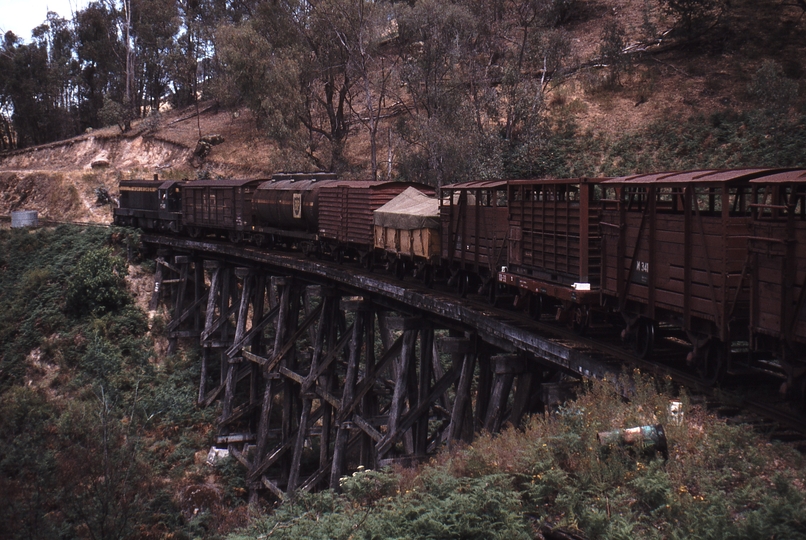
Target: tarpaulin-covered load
410	210
409	225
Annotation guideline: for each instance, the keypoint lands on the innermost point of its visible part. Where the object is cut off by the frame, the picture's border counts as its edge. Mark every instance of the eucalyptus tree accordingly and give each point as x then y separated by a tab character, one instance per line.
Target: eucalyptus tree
36	84
99	51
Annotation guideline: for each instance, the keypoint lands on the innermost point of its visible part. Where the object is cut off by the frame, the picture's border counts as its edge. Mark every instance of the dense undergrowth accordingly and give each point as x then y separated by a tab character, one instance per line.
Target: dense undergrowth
97	436
720	482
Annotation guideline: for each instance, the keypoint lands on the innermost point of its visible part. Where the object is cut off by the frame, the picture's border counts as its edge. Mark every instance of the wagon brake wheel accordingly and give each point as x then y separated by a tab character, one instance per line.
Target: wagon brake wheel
400	269
536	306
428	276
580	319
712	366
644	338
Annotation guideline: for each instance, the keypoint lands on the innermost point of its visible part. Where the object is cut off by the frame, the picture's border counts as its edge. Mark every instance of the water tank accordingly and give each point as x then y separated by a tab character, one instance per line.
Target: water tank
24	218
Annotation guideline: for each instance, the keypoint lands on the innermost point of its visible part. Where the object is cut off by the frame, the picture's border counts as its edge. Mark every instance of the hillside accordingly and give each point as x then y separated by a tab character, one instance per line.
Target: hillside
606	115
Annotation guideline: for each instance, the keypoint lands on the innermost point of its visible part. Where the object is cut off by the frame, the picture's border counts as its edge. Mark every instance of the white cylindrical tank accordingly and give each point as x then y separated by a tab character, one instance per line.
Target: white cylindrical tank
24	218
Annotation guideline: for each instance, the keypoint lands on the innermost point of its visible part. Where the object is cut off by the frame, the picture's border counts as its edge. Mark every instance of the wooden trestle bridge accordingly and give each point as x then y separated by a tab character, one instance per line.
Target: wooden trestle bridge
320	369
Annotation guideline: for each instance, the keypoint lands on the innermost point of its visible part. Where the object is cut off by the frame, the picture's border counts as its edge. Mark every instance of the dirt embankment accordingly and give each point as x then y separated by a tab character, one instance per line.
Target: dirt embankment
61	180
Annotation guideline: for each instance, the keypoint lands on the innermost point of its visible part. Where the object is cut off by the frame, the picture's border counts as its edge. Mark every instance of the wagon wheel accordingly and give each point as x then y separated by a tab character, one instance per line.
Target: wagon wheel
236	237
644	338
194	232
712	366
259	240
580	319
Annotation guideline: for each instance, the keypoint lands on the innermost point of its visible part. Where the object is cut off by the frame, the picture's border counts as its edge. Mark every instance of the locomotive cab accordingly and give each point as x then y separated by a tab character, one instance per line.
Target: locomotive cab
169	197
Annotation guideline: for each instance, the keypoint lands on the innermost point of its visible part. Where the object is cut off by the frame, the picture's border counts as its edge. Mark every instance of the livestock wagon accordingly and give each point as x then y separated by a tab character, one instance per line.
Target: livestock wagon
674	248
553	248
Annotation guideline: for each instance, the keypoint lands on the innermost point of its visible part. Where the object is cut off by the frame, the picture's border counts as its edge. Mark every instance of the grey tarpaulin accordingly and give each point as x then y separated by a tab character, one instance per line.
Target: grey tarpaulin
410	210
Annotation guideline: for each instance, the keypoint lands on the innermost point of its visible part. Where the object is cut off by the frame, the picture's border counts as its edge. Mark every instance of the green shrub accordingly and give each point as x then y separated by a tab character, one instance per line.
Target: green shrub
719	482
97	285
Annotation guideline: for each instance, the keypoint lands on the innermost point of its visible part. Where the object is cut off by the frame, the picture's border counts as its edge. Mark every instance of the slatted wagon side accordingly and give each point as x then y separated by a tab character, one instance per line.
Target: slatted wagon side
778	262
674	251
554	241
346	213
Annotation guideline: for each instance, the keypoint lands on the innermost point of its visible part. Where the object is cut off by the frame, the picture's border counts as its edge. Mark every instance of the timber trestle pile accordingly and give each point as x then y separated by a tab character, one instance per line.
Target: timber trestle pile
319	369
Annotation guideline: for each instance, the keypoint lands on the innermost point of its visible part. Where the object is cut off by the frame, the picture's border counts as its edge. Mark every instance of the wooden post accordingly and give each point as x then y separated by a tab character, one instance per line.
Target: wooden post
505	367
463	349
183	262
261	443
209	318
256	345
343	431
240	327
369	403
399	394
321	341
424	389
522	395
483	387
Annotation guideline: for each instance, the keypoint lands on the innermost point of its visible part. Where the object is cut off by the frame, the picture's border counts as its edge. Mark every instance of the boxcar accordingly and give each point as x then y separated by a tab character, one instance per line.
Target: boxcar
553	248
778	261
150	204
346	219
287	207
674	251
474	217
222	207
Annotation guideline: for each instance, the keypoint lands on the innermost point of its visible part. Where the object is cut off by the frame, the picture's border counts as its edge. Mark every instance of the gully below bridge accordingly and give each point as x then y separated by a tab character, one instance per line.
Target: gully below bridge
321	368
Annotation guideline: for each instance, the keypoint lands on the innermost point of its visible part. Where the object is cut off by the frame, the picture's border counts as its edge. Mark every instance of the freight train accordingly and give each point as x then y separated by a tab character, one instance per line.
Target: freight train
713	259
